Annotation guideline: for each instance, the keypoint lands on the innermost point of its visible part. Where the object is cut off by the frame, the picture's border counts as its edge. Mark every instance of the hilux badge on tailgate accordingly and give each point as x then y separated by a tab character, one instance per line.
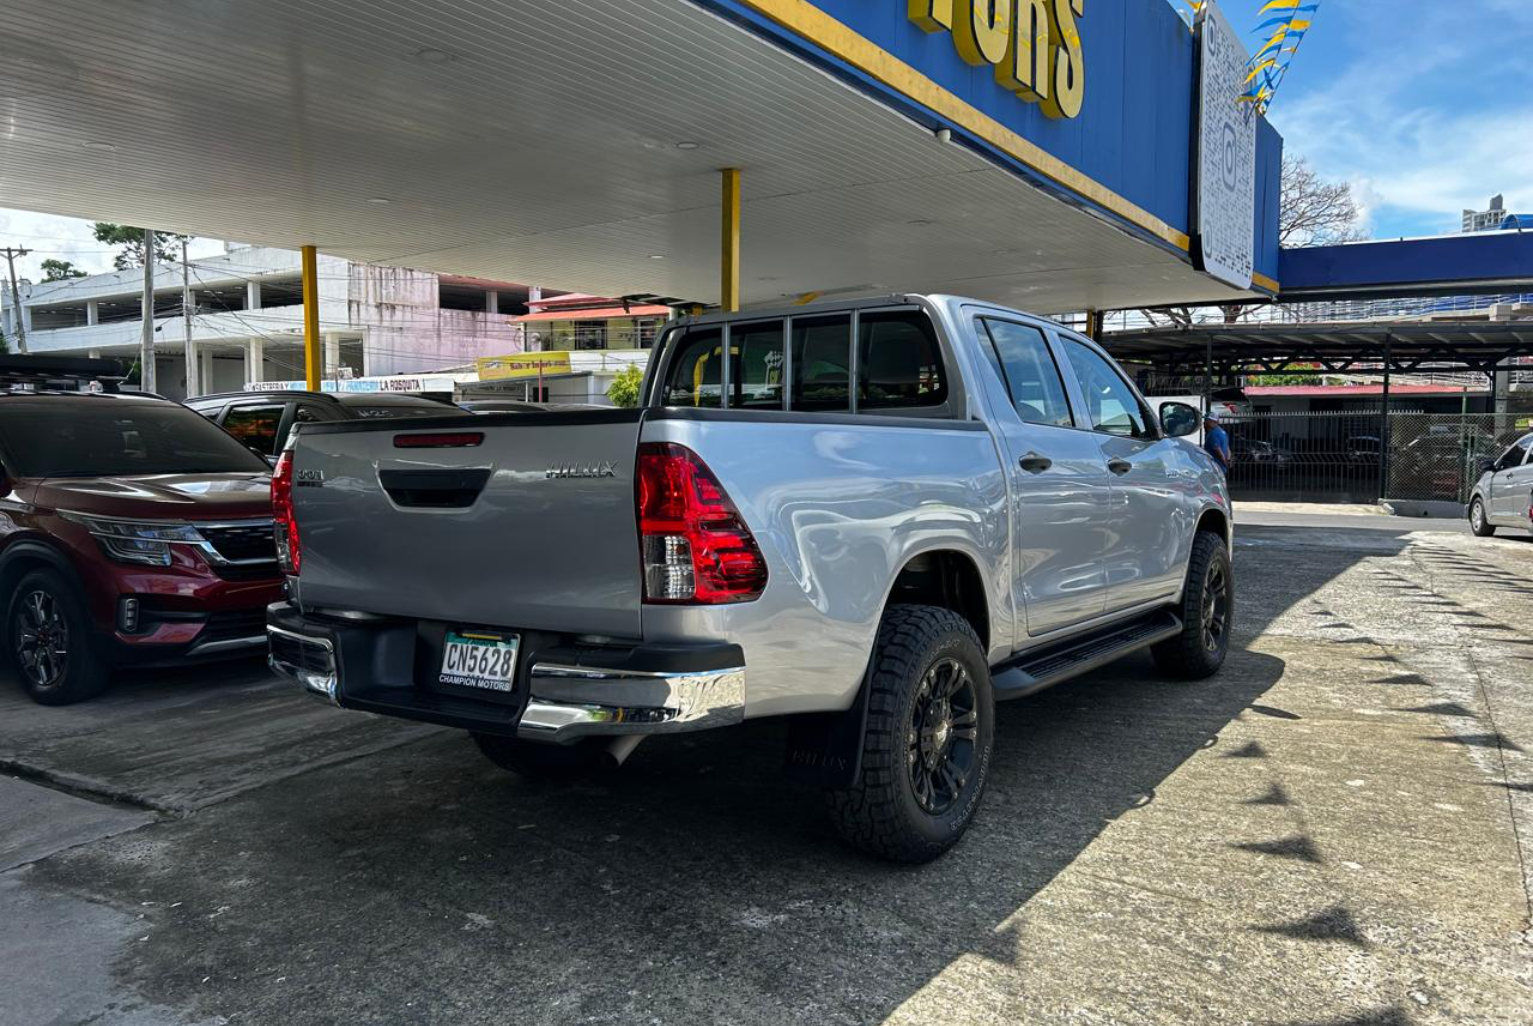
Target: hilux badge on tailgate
605	468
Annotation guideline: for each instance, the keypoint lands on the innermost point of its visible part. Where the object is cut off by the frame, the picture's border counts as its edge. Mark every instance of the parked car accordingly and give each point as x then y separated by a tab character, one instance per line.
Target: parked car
1255	452
1364	449
914	508
263	420
132	531
1503	497
1442	464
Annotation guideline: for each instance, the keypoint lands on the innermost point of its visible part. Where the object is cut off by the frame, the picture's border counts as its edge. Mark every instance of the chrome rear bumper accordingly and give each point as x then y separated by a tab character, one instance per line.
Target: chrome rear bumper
567	700
675	702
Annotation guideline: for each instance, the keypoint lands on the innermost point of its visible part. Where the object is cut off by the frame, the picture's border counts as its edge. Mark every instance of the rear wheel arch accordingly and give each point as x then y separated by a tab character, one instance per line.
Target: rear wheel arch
949	579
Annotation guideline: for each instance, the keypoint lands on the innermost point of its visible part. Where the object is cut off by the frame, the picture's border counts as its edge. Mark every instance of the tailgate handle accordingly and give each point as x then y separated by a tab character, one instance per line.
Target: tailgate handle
434	489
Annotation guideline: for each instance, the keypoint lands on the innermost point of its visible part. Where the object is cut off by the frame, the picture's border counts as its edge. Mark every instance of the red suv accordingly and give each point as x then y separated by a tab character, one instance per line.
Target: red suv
132	531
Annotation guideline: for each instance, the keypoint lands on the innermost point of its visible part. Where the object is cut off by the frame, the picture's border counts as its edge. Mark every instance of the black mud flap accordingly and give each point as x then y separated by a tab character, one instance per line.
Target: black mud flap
825	749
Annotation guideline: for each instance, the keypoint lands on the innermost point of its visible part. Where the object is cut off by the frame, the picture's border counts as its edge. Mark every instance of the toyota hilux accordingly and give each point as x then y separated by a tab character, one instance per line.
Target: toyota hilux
875	518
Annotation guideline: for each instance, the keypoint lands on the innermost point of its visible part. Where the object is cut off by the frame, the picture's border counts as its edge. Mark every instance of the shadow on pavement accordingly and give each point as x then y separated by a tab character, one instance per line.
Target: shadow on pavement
422	880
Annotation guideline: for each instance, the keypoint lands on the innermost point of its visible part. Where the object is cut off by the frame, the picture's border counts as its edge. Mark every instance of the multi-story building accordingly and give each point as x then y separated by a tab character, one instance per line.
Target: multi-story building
1486	220
247	318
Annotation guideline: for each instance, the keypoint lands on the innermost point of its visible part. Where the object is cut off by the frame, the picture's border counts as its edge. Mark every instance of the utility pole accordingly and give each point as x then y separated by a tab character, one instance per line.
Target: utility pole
146	375
21	321
193	365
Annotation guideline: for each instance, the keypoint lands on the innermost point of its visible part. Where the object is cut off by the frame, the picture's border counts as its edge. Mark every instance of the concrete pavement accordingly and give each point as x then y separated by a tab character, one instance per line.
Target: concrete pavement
1332	831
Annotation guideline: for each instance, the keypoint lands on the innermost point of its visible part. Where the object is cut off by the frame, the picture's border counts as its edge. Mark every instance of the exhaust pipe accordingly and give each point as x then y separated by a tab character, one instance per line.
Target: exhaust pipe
620	748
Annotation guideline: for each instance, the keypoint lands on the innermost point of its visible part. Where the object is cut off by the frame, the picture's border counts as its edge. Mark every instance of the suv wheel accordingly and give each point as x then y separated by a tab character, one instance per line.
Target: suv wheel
535	760
1207	611
50	641
930	732
1478	522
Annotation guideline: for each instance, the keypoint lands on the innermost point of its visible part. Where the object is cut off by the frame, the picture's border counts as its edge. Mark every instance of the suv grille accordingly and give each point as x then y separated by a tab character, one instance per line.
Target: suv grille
235	623
243	543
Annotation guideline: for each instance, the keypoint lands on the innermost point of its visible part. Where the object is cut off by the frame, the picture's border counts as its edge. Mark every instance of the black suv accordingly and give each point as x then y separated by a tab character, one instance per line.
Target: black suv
263	420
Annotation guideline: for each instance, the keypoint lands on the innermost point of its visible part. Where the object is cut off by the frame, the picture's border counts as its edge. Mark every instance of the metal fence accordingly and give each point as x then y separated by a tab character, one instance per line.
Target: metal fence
1359	457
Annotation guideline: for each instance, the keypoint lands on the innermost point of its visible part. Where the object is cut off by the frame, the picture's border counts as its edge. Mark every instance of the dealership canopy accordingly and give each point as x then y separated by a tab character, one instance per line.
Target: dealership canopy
883	145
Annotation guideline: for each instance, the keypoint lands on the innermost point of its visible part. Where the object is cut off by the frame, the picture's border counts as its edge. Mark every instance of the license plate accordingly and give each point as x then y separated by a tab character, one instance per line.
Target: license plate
473	660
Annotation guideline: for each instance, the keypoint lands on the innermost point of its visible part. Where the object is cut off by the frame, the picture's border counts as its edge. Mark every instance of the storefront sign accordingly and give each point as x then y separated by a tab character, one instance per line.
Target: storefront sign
522	365
1033	45
1224	197
401	383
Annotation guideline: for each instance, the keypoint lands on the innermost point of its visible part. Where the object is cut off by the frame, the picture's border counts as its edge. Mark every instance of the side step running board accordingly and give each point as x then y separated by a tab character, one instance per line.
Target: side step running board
1045	667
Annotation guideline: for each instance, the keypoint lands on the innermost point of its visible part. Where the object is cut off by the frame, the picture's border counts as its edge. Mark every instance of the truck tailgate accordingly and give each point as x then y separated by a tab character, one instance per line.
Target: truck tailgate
533	526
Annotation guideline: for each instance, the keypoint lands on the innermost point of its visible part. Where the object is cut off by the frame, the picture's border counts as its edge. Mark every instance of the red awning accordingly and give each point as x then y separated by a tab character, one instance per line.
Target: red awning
600	313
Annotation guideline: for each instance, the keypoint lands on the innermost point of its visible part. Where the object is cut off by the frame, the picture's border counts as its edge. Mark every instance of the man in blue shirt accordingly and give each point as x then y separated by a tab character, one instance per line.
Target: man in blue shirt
1216	440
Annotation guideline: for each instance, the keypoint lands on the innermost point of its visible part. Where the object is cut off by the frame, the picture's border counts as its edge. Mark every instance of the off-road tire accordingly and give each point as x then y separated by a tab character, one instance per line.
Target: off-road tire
881	813
1190	655
1479	523
82	675
533	760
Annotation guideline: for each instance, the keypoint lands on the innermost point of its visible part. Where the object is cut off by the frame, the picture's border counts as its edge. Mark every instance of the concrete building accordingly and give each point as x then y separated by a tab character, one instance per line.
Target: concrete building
247	318
1486	220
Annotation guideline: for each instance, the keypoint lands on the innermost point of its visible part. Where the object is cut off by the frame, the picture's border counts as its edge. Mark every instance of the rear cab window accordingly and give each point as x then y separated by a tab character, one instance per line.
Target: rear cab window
812	363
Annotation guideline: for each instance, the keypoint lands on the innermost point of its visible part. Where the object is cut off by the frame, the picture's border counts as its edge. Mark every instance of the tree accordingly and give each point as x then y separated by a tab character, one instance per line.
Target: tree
1313	212
59	270
624	390
167	245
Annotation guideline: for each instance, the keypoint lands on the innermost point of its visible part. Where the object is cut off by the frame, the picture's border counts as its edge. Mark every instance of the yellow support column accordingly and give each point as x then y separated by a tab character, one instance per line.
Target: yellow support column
729	262
1094	322
313	355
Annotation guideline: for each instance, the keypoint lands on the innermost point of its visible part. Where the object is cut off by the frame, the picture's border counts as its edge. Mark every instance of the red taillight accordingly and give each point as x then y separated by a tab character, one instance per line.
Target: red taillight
289	555
440	440
694	546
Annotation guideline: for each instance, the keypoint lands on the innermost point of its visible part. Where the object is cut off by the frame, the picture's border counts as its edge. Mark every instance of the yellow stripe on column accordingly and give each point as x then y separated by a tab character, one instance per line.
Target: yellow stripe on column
313	358
729	256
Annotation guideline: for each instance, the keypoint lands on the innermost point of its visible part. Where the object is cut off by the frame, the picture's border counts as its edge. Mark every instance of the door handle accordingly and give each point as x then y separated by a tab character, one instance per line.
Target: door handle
1119	466
1035	464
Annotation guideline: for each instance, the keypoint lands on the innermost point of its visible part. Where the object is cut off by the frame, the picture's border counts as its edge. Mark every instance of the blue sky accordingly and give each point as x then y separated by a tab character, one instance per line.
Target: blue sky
1425	106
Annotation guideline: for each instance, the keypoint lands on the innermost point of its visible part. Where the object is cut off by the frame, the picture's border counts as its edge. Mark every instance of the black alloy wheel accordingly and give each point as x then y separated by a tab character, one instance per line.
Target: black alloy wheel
927	741
49	640
943	728
42	639
1207	612
1216	608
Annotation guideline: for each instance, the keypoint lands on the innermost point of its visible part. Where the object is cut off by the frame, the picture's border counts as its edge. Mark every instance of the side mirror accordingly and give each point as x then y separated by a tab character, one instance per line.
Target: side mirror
1487	466
1178	420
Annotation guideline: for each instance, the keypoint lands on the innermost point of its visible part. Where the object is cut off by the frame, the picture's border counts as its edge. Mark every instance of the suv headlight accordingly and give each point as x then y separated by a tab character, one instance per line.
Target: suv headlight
136	541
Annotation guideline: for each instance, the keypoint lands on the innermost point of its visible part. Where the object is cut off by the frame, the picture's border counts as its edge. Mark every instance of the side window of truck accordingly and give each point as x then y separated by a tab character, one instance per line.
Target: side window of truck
822	350
1029	371
696	372
756	366
899	364
1111	405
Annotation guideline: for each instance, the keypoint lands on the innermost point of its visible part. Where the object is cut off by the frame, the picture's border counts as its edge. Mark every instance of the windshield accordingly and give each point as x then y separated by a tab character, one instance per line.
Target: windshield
101	437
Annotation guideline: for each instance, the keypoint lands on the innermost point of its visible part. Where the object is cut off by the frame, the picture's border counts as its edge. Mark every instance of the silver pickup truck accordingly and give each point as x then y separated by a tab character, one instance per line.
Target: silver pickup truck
874	518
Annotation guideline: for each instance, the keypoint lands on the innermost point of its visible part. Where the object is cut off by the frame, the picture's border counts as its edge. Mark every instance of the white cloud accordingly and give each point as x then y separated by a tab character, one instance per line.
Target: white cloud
1423	115
66	238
